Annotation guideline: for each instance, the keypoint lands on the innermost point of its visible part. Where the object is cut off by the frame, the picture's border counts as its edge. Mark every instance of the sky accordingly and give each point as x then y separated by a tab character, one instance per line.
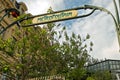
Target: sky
99	25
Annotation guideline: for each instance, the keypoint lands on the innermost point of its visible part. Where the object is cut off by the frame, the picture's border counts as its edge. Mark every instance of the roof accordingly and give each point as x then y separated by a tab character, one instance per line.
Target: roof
102	62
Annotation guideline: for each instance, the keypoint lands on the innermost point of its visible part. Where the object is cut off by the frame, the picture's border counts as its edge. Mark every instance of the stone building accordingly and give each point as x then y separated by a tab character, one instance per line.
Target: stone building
6	4
9	33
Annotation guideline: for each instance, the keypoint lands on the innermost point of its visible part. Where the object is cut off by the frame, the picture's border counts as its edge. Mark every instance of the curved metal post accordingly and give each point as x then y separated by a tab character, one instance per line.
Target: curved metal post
116	20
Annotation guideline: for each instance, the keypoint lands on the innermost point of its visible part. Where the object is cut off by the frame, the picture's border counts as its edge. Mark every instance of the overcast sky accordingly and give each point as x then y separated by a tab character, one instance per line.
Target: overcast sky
99	25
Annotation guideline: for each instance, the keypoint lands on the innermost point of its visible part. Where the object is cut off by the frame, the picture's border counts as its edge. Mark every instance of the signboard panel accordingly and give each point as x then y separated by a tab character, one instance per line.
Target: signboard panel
55	16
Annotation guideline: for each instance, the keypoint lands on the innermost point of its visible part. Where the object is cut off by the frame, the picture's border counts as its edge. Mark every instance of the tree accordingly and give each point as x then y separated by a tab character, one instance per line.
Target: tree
38	52
90	78
74	54
101	75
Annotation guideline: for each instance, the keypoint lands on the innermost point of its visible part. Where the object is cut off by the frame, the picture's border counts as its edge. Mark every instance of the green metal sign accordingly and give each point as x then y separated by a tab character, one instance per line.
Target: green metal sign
55	16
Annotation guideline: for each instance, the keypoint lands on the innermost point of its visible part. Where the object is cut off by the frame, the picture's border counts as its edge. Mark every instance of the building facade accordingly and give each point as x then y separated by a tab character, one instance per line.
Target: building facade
9	33
6	4
113	66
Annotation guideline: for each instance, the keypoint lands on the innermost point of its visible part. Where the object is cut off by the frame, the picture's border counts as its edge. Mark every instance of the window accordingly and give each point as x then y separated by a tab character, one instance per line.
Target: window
112	67
110	62
117	66
17	5
22	10
1	29
106	67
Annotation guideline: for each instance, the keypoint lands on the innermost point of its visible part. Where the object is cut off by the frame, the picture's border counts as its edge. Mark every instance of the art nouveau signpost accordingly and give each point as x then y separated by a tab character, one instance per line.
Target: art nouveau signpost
66	15
56	16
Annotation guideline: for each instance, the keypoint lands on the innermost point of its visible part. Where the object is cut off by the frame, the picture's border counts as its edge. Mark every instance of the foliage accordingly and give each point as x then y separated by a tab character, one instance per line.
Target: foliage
92	60
101	75
90	78
37	52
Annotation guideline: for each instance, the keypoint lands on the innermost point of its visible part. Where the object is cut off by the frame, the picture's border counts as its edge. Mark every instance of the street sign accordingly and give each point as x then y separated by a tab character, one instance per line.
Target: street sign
55	16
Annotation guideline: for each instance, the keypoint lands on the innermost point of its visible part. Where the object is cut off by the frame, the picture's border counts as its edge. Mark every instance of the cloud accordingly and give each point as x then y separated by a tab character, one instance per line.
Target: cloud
41	6
111	52
102	30
101	2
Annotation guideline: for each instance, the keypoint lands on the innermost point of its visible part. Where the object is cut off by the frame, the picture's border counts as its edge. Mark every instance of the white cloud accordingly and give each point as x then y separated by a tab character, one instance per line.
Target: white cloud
111	52
101	2
102	30
41	6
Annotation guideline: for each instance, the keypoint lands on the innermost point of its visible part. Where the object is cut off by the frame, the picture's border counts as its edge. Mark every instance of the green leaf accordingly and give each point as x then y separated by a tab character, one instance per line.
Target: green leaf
66	36
88	36
91	49
64	28
91	44
73	35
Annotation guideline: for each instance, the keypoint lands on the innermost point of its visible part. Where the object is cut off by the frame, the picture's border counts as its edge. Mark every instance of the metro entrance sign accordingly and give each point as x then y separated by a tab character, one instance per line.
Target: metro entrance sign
59	16
55	16
65	15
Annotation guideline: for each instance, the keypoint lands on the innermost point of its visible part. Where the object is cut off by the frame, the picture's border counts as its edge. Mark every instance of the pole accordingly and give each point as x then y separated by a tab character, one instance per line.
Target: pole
119	4
117	20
